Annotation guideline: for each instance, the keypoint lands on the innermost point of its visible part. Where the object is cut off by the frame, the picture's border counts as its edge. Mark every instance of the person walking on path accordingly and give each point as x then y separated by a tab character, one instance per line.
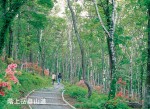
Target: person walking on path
59	78
53	78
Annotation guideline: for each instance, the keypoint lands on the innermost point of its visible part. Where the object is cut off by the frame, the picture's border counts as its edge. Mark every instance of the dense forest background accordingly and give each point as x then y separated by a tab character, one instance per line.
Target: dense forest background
104	42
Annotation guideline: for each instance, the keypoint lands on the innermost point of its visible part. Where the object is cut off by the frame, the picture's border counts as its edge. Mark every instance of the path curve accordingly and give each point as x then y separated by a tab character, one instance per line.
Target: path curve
47	98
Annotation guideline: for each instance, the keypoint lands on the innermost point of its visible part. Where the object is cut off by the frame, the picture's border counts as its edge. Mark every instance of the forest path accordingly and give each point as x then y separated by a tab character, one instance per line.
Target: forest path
47	98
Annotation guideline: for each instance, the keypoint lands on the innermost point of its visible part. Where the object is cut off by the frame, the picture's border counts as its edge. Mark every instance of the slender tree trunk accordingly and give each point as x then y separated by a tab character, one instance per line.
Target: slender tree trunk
66	67
10	45
91	73
4	28
130	75
31	56
57	64
147	93
110	42
81	48
141	83
43	62
70	48
18	37
41	50
103	72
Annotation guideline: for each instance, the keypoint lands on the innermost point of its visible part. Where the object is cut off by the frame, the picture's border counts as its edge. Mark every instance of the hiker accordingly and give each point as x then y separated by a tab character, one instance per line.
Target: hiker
59	78
53	78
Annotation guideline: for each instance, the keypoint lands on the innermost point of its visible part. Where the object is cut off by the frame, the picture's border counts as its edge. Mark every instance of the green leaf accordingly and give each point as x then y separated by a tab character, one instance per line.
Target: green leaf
46	3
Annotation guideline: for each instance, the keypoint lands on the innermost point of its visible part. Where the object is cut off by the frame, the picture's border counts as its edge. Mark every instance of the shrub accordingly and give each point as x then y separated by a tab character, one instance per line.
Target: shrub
96	101
27	82
3	66
9	77
116	104
76	92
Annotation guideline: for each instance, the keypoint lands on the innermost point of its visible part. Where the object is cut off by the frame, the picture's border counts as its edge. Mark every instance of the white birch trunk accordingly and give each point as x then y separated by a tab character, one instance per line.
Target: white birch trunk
70	49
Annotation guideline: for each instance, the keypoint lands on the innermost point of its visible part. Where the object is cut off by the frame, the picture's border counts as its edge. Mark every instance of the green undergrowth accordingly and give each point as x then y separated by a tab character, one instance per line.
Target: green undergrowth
2	66
27	82
96	101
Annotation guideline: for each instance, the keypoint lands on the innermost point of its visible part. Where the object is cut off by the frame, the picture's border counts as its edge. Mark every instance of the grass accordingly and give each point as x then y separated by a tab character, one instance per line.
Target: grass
96	101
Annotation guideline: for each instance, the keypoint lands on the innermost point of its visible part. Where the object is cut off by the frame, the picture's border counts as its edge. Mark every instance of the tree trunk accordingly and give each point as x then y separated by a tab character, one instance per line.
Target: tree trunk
81	48
70	48
112	56
110	42
147	93
7	18
141	83
41	52
10	45
18	38
130	76
31	56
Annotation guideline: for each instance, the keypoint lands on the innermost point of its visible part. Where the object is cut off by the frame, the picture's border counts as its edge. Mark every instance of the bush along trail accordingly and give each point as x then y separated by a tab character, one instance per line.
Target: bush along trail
24	90
15	85
77	96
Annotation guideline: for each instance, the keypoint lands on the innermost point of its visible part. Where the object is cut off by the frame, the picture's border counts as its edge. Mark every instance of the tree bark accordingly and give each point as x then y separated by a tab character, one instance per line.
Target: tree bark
147	93
81	48
70	48
18	38
141	83
110	42
10	45
41	50
130	75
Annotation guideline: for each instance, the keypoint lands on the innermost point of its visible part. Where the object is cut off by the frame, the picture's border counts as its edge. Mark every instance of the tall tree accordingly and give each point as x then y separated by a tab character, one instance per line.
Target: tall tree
110	16
81	48
7	18
9	13
147	95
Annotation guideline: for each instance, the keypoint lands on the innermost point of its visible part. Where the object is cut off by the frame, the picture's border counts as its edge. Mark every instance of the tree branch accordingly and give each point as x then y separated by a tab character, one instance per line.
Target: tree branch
100	19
